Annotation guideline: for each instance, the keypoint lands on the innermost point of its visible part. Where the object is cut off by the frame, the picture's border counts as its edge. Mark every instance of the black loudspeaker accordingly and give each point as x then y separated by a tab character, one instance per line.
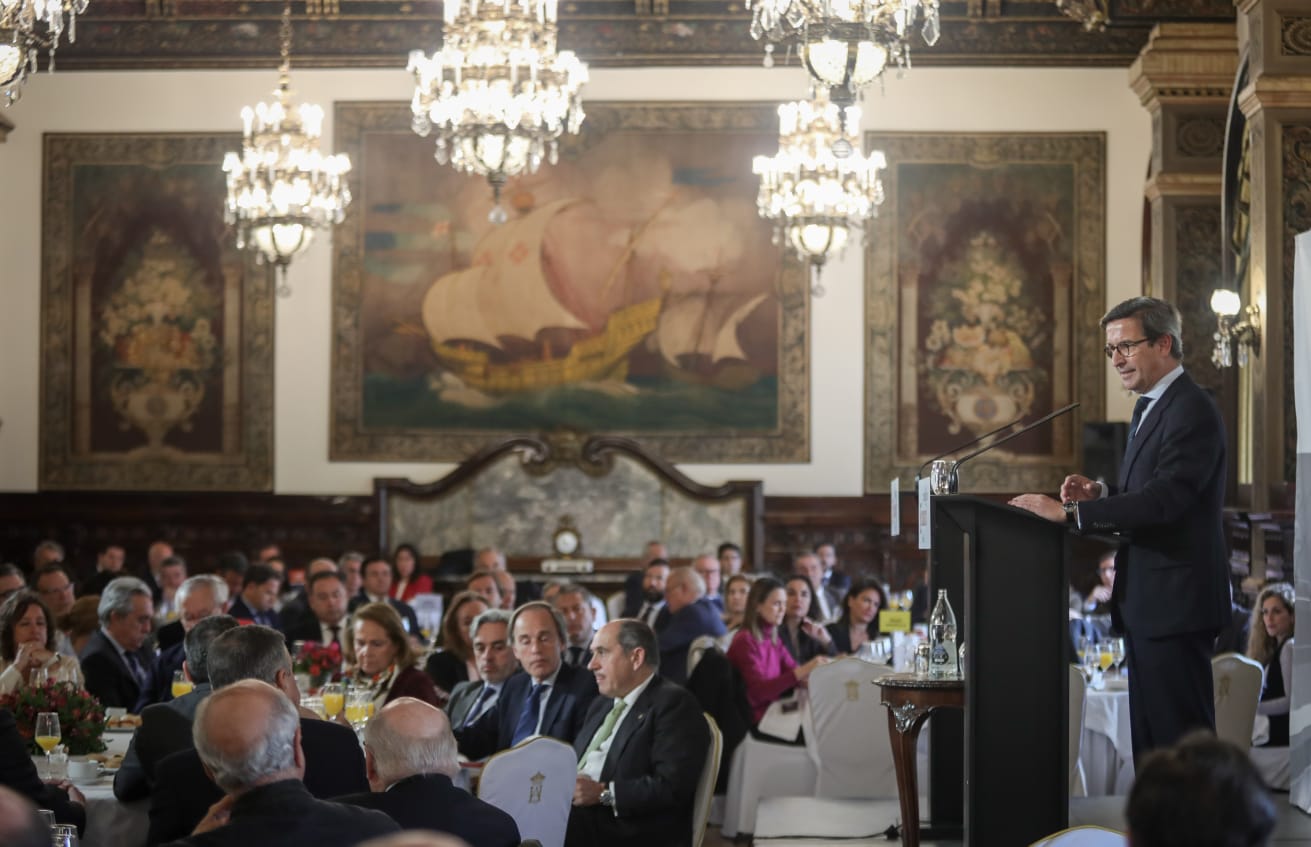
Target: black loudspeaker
1103	448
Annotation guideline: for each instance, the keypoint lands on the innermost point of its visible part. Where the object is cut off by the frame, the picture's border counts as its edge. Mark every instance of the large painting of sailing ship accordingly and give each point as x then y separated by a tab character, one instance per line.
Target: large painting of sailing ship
632	290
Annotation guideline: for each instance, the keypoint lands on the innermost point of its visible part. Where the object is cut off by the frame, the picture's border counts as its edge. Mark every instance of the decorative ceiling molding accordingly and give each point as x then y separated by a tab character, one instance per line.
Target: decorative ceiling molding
156	34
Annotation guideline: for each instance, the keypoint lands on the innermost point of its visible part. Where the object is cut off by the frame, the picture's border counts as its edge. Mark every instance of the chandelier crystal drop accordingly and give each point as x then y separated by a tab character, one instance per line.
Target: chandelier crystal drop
28	27
497	95
818	186
281	187
845	44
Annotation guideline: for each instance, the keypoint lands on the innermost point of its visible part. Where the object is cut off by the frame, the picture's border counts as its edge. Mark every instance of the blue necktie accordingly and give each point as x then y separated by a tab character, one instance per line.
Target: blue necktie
1138	409
476	711
532	707
138	672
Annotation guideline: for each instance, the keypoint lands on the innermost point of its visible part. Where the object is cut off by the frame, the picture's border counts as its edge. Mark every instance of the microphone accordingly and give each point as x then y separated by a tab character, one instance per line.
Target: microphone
1049	416
919	474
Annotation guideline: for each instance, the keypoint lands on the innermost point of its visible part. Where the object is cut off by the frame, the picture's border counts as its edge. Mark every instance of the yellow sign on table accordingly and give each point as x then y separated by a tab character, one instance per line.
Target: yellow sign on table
890	621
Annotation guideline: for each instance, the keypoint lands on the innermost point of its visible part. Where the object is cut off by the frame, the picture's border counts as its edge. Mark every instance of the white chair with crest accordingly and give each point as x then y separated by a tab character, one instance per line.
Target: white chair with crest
1236	681
1084	836
705	785
533	782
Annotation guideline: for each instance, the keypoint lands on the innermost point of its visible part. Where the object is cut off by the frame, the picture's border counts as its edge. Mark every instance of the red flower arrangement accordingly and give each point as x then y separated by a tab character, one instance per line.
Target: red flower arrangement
321	663
81	717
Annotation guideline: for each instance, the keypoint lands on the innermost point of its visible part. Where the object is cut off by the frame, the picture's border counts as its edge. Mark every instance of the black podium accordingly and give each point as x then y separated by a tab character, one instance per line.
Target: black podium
1002	768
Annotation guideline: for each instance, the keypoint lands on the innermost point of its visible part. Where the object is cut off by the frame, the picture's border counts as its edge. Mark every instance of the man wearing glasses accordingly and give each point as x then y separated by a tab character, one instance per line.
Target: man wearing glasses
1171	587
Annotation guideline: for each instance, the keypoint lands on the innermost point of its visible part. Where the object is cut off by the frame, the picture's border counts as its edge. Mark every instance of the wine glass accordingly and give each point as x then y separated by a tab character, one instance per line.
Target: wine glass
38	677
333	699
907	600
1117	655
357	708
181	685
1091	658
47	734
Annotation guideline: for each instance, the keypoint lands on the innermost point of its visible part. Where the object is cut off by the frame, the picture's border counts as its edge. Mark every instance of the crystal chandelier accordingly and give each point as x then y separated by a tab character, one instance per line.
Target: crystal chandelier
497	93
21	42
818	185
281	187
844	44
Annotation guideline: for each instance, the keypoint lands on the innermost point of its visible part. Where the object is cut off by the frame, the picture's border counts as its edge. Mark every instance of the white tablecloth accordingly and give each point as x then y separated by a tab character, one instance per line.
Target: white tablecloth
1107	752
110	823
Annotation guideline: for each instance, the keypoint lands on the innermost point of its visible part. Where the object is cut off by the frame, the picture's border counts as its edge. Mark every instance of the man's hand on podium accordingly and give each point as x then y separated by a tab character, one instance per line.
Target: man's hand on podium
1041	505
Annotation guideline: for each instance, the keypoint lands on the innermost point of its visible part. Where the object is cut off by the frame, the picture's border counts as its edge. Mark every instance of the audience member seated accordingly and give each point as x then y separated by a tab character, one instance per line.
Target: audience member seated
548	698
116	661
730	559
508	588
407	582
198	598
259	597
707	565
326	622
834	580
1098	601
690	616
1203	792
376	588
81	622
484	584
384	660
232	567
109	565
410	755
767	669
250	739
11	580
859	623
18	773
172	573
454	663
334	764
297	617
27	643
166	727
495	664
1271	644
652	598
54	585
641	748
830	606
575	603
801	633
735	600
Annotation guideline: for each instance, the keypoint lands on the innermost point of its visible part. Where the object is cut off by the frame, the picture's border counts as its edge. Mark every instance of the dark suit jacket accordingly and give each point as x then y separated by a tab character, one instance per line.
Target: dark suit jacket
1171	572
242	612
838	583
284	813
308	629
573	692
655	760
447	670
107	675
165	729
430	801
683	627
405	610
334	765
18	773
169	634
462	700
805	648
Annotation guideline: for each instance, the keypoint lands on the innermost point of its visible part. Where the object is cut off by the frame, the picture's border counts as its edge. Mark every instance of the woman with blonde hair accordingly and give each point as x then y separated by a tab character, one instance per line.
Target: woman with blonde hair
384	661
27	643
1271	643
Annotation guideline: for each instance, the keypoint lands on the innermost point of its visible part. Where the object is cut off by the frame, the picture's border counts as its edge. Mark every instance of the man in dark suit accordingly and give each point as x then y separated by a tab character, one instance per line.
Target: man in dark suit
258	600
649	603
830	602
198	598
575	603
707	565
1171	572
641	750
691	615
18	773
835	580
334	764
326	622
376	588
410	755
166	727
298	615
250	740
116	663
496	664
548	698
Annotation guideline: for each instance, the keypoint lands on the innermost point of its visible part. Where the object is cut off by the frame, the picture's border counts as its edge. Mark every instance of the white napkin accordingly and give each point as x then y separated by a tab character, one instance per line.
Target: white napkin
782	719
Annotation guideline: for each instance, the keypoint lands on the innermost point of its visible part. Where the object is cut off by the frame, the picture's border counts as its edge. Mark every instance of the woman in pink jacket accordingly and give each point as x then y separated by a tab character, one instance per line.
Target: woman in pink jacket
767	669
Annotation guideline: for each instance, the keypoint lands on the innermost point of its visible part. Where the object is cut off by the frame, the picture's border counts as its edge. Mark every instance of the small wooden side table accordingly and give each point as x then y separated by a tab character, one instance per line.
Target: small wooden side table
910	699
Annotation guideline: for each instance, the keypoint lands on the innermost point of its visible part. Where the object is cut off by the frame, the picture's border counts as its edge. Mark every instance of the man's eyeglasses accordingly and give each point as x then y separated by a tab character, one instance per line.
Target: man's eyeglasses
1126	349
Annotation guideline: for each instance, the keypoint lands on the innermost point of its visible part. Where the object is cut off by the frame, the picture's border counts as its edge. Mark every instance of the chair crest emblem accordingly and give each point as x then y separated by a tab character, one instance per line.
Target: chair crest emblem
535	790
853	691
1222	690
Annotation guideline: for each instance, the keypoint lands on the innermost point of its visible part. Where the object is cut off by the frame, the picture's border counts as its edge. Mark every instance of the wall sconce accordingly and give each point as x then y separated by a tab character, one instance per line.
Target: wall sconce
1230	333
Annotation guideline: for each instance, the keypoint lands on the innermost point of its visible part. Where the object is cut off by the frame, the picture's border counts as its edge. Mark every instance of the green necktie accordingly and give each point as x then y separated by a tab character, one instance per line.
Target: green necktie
607	727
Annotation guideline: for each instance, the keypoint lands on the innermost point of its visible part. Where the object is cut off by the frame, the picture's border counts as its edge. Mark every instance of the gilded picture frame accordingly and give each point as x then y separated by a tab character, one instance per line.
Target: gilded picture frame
641	244
156	331
984	285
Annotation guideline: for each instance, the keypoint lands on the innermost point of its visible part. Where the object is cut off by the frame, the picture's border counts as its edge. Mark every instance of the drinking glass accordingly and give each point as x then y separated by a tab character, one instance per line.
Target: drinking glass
333	699
181	685
1117	655
1105	657
38	677
357	707
47	817
1091	658
907	600
63	835
57	762
47	734
1081	646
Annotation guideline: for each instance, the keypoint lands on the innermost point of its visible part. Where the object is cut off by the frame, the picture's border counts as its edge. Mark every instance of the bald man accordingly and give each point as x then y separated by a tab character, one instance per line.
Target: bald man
19	824
410	757
248	736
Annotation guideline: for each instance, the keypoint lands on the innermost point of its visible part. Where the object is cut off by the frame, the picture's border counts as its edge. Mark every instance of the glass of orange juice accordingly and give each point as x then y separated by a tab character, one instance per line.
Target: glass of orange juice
333	699
47	734
181	685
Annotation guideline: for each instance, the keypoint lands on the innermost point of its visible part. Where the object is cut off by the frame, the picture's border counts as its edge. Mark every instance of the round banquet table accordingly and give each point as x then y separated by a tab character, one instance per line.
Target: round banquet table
1107	744
110	823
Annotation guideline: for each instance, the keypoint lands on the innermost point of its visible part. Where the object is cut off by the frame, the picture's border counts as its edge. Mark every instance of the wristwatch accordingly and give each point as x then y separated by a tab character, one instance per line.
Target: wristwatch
607	797
1071	511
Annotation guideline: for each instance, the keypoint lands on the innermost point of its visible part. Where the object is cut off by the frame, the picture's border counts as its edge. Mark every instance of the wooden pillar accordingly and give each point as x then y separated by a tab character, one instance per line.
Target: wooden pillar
1277	104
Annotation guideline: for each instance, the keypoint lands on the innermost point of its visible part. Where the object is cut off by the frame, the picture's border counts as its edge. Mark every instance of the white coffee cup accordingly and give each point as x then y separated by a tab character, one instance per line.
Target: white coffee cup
83	770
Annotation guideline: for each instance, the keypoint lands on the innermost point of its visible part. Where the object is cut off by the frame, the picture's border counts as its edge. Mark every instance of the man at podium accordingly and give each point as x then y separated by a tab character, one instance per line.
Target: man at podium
1171	587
